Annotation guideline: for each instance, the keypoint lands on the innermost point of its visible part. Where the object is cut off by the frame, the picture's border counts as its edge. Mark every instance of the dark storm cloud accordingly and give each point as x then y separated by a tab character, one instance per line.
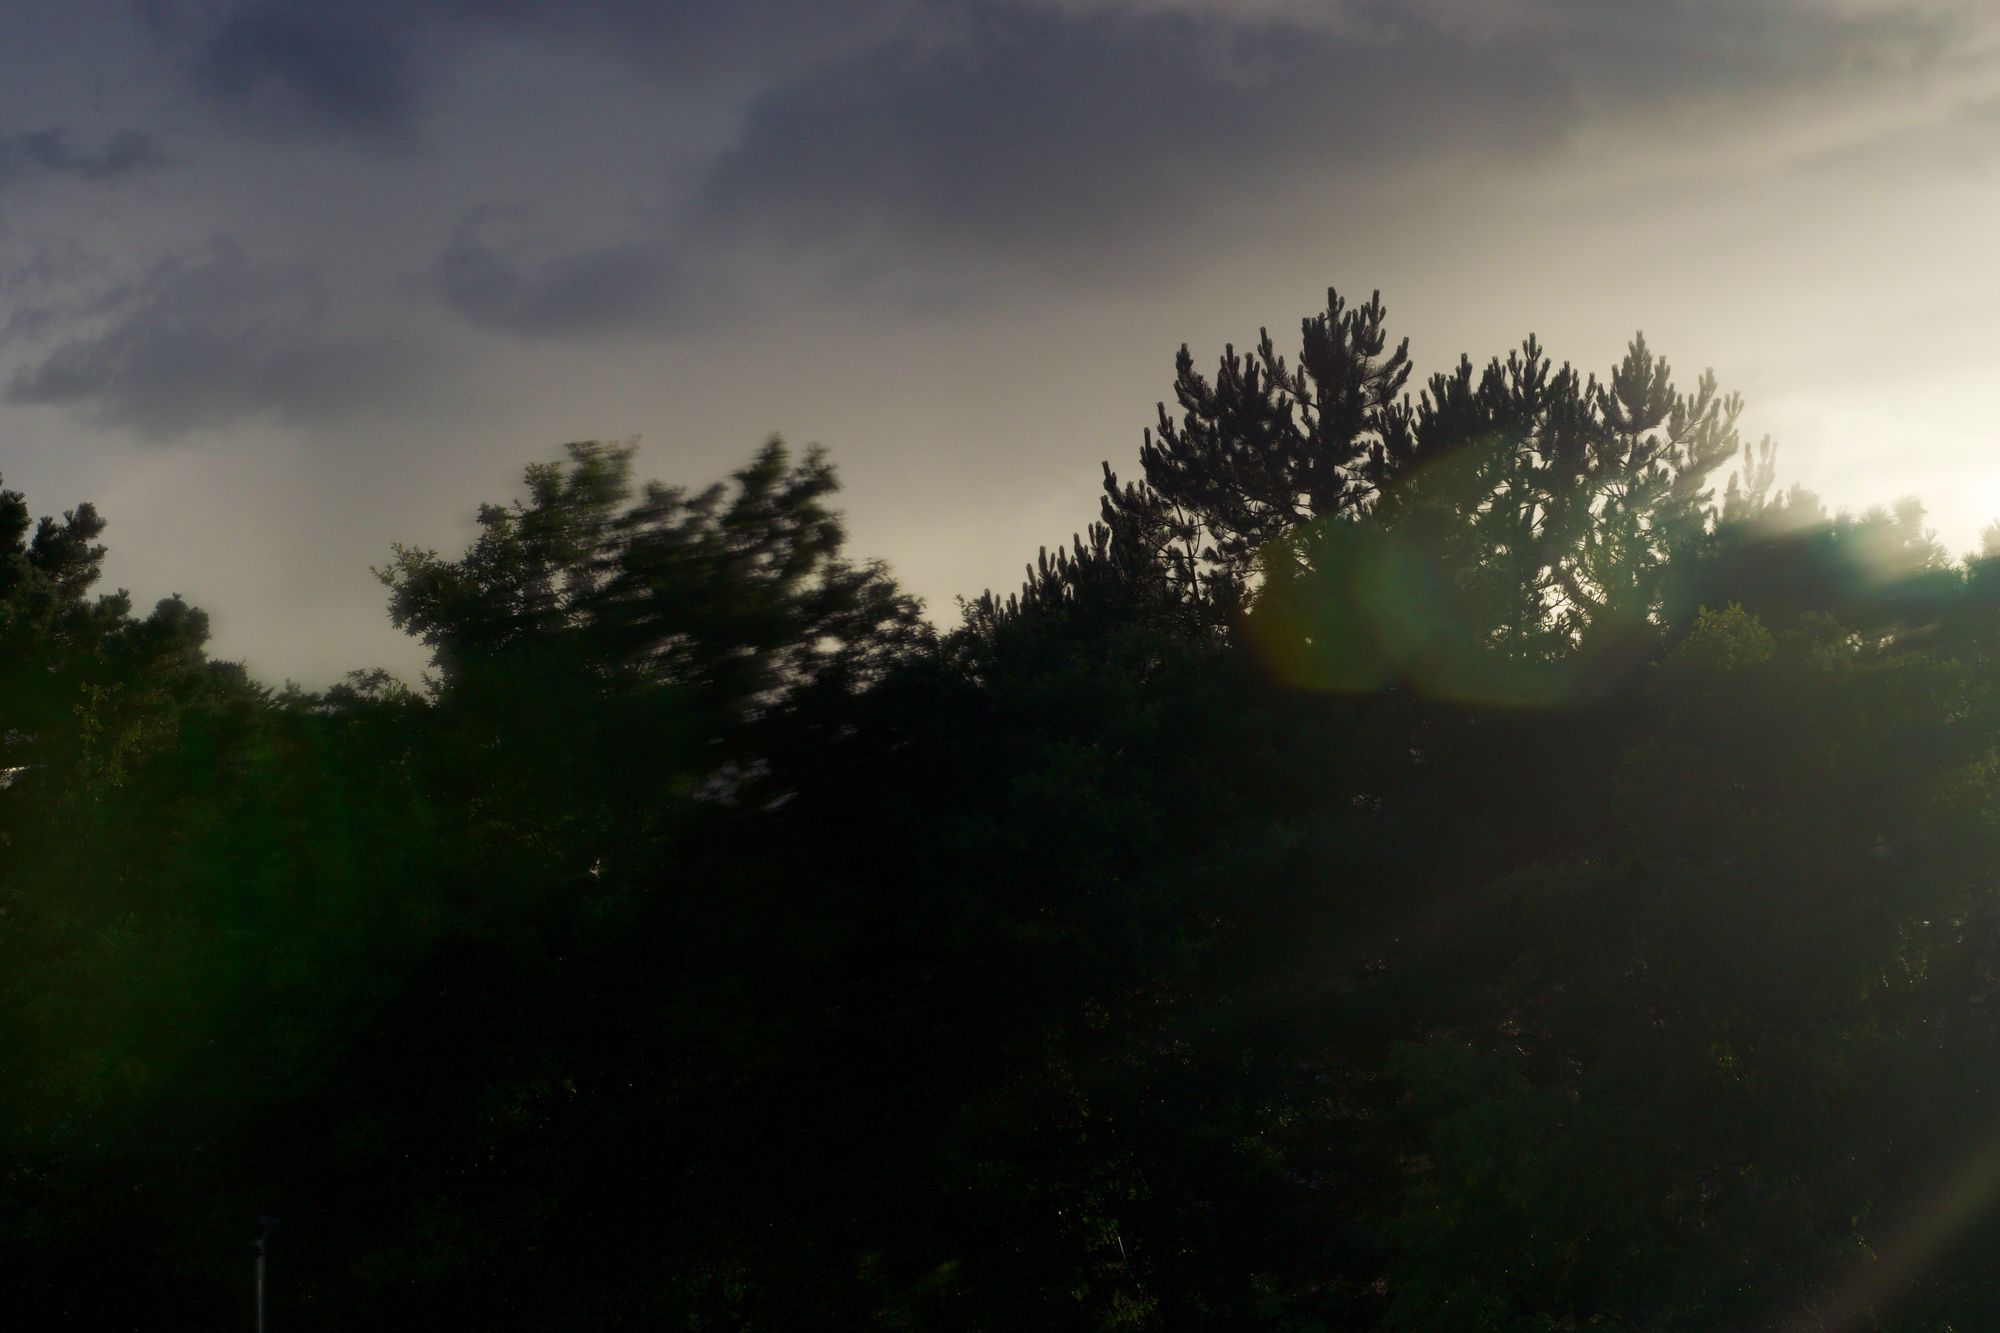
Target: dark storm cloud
348	68
53	153
1044	129
1035	136
604	289
938	150
206	341
355	73
1096	140
365	69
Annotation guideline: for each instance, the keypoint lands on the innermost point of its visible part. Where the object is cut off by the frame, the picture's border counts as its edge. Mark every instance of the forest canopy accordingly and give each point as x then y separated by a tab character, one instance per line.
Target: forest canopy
1479	857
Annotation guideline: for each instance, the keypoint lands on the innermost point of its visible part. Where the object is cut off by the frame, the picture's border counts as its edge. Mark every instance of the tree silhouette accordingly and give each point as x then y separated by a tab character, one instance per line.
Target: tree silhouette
1416	862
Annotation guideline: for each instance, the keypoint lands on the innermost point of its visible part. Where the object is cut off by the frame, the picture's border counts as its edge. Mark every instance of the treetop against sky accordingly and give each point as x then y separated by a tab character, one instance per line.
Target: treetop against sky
315	261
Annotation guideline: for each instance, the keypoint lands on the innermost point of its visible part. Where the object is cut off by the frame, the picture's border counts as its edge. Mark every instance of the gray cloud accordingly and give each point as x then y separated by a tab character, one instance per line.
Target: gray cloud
599	290
353	72
209	340
366	69
932	154
1035	136
1048	130
351	69
1046	127
1097	138
51	153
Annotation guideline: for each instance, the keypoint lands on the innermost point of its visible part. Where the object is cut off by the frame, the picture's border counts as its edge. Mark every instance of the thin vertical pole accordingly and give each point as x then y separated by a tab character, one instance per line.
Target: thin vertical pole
260	1284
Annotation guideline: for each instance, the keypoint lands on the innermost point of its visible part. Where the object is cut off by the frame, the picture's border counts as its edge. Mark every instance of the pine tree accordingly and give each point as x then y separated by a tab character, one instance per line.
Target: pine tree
1264	450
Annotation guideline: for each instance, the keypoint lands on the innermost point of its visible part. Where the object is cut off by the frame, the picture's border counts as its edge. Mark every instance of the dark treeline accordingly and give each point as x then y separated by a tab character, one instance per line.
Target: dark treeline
1477	858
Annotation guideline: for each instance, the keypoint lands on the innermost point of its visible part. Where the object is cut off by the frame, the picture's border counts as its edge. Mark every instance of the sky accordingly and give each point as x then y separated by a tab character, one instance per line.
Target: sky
283	282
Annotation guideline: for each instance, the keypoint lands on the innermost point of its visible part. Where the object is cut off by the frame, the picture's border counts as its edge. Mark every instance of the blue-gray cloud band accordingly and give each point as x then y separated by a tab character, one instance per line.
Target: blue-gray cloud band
207	340
1102	143
54	153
